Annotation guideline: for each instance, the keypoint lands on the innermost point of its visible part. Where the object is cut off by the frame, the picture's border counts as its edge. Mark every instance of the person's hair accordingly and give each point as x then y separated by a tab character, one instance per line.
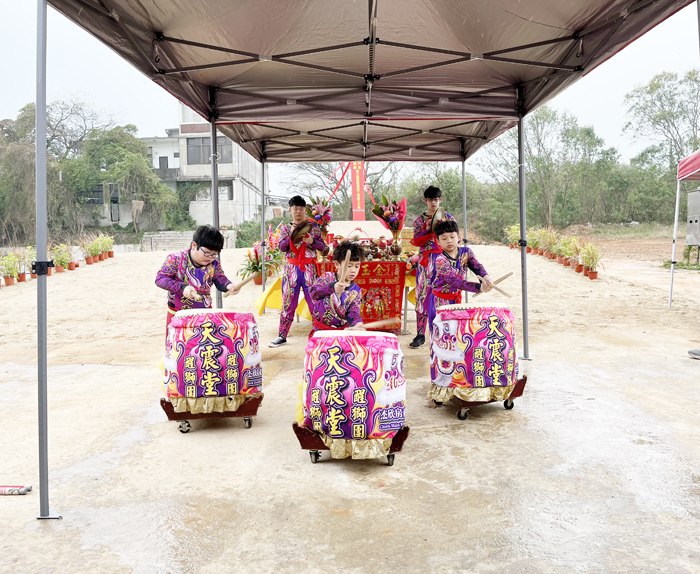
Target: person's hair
297	201
208	237
432	192
357	253
449	226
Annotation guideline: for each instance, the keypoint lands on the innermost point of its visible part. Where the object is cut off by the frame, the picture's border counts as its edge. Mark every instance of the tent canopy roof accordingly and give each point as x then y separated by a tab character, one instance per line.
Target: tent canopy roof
325	80
689	167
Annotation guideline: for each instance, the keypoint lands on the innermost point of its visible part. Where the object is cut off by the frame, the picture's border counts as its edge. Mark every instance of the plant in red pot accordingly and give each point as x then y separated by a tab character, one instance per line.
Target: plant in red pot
591	256
61	255
9	268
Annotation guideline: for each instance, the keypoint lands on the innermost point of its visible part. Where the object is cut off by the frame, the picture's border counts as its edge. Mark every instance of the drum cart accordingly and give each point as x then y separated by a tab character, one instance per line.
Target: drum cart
311	441
508	404
247	411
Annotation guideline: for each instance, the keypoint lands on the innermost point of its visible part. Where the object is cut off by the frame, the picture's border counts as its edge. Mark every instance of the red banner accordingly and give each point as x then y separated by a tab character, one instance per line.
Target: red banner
382	284
357	172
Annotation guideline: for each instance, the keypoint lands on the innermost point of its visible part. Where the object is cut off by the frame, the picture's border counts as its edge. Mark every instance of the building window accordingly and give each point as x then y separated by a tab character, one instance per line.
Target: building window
96	196
150	151
176	154
198	150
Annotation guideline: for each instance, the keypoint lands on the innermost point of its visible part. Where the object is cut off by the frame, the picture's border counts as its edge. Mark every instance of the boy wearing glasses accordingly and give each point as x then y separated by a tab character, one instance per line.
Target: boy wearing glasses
299	270
188	275
424	238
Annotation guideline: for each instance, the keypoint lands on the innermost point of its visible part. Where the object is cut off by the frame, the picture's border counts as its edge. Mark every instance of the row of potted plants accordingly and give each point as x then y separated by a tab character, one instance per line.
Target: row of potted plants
17	265
580	254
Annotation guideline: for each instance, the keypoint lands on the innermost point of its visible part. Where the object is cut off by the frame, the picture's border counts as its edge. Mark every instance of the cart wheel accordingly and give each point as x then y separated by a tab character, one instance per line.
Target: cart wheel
437	403
184	427
248	422
508	404
463	414
390	459
315	456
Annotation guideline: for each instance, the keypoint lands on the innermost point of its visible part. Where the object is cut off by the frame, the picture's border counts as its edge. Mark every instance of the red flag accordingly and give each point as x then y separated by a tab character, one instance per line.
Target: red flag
358	190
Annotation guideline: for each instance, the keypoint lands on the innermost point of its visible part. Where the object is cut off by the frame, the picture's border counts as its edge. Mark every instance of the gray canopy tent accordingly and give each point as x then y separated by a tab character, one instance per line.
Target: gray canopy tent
375	80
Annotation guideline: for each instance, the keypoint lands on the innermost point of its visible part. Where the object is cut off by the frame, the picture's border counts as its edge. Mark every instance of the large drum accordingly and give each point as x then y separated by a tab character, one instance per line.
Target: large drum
472	354
212	360
354	391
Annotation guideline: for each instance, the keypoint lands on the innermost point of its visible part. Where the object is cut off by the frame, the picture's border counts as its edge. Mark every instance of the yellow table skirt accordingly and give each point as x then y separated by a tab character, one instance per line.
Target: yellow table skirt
271	298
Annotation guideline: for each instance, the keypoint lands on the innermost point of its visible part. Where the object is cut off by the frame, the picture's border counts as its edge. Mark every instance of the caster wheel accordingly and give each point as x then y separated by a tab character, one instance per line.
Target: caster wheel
508	404
463	414
184	427
390	459
315	456
248	422
437	403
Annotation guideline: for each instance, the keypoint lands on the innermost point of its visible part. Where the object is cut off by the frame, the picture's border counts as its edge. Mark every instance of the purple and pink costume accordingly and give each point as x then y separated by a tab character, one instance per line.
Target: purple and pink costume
448	279
424	238
331	311
299	272
179	271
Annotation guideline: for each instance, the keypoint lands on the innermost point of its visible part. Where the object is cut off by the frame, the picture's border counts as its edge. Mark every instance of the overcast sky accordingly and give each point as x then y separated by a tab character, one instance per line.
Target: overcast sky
80	65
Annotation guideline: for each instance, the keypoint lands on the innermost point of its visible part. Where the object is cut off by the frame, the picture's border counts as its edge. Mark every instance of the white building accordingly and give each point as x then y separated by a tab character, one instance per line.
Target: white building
181	157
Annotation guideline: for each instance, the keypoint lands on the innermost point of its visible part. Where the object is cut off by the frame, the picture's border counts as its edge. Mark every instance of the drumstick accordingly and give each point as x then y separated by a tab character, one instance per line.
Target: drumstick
383	323
492	285
497	281
344	267
239	285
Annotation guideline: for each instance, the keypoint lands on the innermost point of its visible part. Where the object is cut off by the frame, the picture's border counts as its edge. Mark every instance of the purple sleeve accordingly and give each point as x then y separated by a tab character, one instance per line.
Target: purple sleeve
167	278
220	280
447	279
353	315
322	288
284	239
419	227
318	243
473	264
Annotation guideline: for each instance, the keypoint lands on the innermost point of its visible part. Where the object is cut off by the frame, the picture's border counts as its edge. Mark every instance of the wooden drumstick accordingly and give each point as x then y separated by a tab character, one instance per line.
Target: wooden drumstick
239	285
344	267
497	281
383	323
493	285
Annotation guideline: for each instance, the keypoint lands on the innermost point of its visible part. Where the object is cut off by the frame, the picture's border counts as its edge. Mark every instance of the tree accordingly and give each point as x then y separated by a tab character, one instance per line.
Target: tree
667	112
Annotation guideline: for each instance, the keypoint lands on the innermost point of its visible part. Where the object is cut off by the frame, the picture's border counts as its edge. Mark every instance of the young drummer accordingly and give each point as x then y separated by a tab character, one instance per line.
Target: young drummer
424	238
449	270
299	270
188	275
337	303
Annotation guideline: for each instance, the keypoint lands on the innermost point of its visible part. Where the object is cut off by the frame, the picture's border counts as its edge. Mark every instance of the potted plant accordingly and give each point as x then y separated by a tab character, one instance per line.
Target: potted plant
533	238
9	268
512	235
591	256
21	254
31	258
548	240
61	255
253	263
84	244
96	250
109	246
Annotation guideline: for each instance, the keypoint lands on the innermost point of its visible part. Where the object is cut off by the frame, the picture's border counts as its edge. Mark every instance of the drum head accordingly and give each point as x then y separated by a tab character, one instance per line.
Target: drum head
438	216
300	230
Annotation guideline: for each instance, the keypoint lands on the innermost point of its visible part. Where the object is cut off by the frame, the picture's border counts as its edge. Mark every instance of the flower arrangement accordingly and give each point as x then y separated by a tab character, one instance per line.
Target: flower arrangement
273	257
391	214
321	212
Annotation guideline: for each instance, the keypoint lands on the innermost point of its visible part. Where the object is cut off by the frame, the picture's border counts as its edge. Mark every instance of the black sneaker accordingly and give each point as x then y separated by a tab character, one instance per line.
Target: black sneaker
418	341
278	341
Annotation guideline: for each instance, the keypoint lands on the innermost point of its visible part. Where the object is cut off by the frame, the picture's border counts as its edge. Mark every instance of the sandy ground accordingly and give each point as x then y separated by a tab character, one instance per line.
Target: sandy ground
597	469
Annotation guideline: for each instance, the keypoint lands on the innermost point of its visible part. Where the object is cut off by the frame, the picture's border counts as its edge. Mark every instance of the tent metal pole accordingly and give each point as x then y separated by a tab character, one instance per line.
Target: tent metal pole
41	258
675	236
523	230
214	147
464	211
262	217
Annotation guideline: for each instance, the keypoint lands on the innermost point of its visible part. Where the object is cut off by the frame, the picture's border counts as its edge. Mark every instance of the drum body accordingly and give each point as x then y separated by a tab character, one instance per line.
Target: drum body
354	386
211	354
473	348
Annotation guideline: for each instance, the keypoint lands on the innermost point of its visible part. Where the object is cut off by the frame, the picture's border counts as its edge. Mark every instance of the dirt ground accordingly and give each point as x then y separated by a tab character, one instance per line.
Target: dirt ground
595	470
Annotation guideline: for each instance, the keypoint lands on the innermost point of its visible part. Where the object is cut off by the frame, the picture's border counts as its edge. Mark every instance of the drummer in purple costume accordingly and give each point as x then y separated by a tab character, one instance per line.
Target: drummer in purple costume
299	270
337	304
424	238
449	271
188	275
